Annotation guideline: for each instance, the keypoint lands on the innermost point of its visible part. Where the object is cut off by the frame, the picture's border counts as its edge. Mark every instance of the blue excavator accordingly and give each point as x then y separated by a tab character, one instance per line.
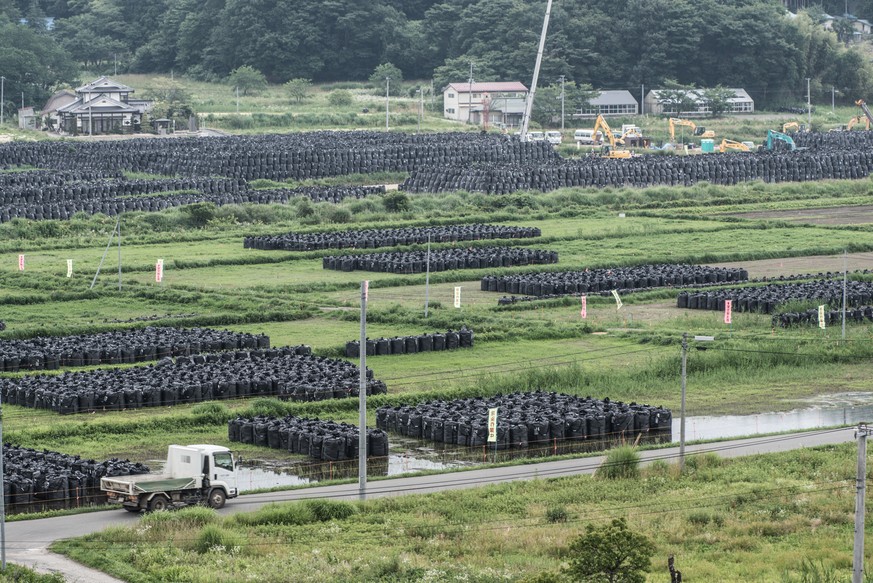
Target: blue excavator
774	136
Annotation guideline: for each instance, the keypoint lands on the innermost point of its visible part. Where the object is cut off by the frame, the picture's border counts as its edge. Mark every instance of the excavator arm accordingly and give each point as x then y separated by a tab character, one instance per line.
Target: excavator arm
605	130
733	145
855	121
675	121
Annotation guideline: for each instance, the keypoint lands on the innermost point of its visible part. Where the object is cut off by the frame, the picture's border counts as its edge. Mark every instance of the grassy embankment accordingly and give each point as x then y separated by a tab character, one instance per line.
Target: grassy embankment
778	517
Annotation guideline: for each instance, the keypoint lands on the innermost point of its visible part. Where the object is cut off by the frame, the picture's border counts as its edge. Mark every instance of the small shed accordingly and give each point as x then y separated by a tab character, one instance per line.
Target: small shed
27	119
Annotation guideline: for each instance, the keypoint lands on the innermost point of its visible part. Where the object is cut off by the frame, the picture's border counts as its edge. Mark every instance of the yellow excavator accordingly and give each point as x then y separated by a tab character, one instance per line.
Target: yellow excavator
733	145
700	132
867	117
793	126
611	150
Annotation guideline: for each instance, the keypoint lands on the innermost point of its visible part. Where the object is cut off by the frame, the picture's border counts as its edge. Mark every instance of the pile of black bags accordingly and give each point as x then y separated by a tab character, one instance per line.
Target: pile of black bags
437	341
765	299
35	479
832	317
288	373
618	278
440	260
298	156
121	347
523	420
643	171
374	238
322	440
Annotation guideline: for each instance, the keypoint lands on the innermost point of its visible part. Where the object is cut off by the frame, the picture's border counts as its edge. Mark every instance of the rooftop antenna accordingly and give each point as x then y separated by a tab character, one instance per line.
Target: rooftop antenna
528	106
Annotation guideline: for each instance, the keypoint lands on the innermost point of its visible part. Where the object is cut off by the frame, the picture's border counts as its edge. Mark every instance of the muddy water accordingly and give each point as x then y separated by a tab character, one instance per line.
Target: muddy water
411	455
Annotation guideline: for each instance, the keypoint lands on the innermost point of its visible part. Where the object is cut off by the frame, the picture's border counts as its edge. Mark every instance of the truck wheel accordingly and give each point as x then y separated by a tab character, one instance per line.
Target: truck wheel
217	498
159	503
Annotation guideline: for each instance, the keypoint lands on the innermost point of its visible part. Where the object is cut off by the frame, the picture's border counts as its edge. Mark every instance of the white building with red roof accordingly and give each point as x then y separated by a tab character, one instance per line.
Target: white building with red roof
493	103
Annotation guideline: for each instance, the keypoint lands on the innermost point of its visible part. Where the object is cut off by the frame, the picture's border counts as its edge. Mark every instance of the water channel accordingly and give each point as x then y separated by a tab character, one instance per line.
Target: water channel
410	455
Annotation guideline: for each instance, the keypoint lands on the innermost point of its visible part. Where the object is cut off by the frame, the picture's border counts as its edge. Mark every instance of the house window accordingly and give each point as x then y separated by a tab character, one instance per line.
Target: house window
450	110
451	95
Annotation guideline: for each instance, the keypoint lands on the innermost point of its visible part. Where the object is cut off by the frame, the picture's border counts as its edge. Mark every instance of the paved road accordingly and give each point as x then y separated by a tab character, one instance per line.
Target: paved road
28	540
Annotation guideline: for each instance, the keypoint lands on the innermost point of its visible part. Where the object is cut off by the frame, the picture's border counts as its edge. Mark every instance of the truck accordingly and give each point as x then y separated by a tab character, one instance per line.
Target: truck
193	474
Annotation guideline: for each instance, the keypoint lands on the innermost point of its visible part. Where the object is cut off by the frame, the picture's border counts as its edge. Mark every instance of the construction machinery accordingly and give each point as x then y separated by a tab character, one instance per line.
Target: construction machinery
793	126
733	145
700	131
611	150
774	136
865	116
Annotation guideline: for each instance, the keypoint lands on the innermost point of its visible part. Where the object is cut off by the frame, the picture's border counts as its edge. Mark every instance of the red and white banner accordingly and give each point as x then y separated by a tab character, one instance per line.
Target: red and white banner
584	311
159	271
728	311
21	263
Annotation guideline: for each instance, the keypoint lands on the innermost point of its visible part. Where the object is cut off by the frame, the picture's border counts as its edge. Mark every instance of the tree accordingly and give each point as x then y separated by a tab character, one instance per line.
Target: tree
340	98
247	79
298	88
377	79
676	98
610	553
717	99
547	102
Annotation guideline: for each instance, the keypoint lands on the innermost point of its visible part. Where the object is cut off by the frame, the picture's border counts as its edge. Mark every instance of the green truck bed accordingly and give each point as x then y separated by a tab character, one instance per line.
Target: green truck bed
133	485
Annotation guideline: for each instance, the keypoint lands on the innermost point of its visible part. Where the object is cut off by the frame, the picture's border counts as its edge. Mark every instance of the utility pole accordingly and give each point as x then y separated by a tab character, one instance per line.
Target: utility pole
562	103
845	285
808	107
115	60
362	397
470	95
237	99
2	500
682	406
2	99
860	493
427	280
642	98
833	97
387	90
420	106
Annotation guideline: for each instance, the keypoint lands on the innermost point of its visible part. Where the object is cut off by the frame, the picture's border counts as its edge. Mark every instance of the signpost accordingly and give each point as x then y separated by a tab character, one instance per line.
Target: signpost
584	311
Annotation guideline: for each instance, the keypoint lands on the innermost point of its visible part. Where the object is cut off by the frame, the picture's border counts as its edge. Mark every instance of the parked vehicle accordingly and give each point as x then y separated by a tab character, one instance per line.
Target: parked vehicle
536	137
193	474
587	137
554	137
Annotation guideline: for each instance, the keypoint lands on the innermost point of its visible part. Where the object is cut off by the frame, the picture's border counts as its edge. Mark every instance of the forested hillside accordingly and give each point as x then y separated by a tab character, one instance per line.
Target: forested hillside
755	44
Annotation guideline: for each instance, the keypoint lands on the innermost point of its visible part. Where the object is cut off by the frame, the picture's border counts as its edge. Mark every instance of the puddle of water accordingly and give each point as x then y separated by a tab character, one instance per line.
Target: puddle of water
837	409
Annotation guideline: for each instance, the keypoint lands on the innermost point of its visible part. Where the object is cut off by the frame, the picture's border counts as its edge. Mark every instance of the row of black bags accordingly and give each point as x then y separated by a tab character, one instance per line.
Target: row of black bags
287	373
440	260
767	298
833	317
374	238
322	440
437	341
596	280
523	419
121	347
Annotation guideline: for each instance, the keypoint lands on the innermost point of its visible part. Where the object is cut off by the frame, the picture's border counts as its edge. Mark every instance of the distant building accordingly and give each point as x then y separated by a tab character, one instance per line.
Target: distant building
847	24
55	102
102	106
739	103
502	102
27	119
610	103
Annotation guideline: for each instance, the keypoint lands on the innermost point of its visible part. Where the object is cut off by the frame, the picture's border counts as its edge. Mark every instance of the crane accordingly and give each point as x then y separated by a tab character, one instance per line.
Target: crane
867	118
697	131
610	151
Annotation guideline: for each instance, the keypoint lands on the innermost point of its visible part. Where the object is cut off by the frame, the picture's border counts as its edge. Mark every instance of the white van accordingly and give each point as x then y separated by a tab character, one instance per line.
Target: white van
554	137
587	137
536	137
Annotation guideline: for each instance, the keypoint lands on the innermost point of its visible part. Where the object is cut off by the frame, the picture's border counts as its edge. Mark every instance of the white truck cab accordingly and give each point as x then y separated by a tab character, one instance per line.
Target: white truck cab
554	137
193	474
536	136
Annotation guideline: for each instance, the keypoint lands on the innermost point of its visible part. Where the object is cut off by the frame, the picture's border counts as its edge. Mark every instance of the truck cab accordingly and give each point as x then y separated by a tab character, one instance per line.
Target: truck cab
554	137
193	474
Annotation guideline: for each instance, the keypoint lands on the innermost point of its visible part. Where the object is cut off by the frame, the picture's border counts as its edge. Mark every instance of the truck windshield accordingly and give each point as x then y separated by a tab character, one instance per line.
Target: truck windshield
223	460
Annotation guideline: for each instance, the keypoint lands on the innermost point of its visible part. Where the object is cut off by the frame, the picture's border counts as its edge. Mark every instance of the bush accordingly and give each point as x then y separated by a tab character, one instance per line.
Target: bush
621	463
325	510
218	540
211	411
199	213
340	98
556	514
335	214
396	202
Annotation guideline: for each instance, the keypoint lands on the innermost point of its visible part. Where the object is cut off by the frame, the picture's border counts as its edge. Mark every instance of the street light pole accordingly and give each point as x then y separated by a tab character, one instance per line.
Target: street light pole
470	95
562	103
387	89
